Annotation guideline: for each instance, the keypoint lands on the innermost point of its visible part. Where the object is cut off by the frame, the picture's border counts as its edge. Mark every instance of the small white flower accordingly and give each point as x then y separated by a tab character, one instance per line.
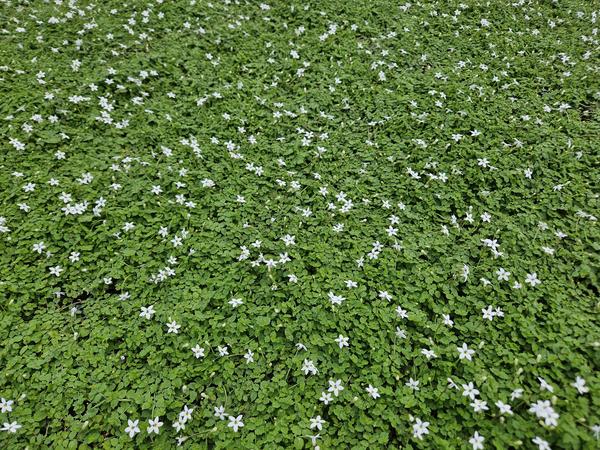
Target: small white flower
504	408
477	441
413	384
532	279
579	384
132	427
342	341
198	351
420	428
309	366
335	387
10	427
147	312
465	353
373	392
544	386
154	425
326	397
235	302
428	353
220	412
316	422
56	270
185	414
542	444
6	405
470	391
173	327
235	422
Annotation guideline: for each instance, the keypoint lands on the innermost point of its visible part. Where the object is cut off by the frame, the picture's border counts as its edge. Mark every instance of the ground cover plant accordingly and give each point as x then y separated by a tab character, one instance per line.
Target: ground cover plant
299	224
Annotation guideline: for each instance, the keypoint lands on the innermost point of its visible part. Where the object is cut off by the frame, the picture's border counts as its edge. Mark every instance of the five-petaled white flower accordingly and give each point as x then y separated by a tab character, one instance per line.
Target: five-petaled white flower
477	441
132	427
220	412
235	422
198	351
465	353
420	428
335	387
342	341
173	327
373	391
5	405
154	425
147	312
316	422
470	391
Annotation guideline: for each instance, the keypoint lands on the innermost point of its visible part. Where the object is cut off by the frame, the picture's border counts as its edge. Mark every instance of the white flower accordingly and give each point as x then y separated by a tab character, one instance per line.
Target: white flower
544	386
325	398
447	320
373	391
428	353
517	393
309	366
128	226
335	299
413	384
235	422
542	444
6	405
288	240
154	425
465	353
56	270
198	351
178	425
335	387
532	279
479	405
502	274
579	384
235	302
220	412
185	414
147	312
402	313
504	408
173	327
316	422
132	427
420	428
249	356
470	391
477	441
342	341
10	427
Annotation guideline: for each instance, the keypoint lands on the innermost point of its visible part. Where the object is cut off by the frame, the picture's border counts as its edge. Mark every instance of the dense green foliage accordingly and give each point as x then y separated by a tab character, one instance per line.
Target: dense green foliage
249	206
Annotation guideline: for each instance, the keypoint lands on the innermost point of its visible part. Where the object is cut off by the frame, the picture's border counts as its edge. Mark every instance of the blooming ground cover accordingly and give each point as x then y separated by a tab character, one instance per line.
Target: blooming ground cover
232	224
